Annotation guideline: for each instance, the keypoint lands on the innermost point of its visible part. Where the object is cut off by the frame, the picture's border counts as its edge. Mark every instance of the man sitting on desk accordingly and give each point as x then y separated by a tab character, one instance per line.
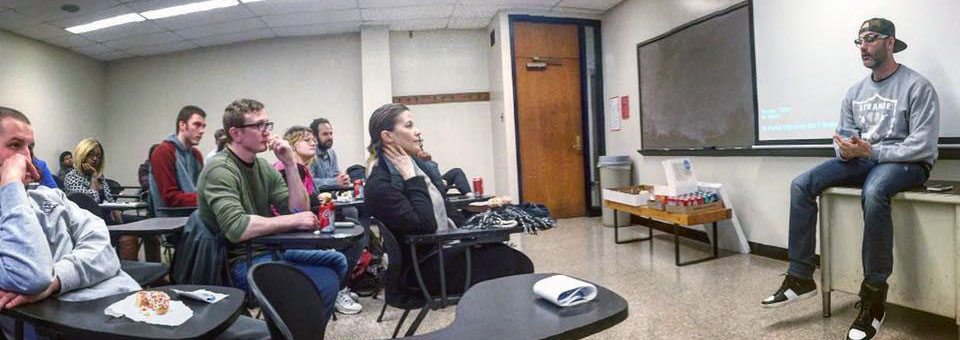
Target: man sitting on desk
176	163
48	245
895	111
326	173
237	190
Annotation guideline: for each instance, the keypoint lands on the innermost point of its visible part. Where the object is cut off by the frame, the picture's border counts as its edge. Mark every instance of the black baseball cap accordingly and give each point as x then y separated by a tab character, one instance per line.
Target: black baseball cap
885	27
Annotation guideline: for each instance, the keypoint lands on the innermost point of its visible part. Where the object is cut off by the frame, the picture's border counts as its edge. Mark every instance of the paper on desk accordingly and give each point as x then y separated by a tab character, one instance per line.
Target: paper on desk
565	291
202	295
176	315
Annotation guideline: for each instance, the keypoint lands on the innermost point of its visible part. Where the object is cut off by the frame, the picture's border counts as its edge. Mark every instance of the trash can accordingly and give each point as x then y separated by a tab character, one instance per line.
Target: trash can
615	172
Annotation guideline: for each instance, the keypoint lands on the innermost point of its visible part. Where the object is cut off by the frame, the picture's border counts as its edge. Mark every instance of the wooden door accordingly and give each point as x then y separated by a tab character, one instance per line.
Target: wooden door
550	126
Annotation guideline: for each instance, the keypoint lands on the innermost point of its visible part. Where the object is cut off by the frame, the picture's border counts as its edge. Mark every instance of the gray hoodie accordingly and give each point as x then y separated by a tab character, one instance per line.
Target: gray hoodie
44	235
899	117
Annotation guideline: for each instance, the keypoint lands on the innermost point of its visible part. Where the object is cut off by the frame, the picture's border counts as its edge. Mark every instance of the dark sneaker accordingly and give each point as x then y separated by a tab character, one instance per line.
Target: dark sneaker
792	290
867	324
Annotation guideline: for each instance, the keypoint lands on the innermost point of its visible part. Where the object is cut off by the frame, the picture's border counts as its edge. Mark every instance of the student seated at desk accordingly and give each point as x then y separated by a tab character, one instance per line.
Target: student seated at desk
237	191
410	200
66	164
50	246
305	150
87	178
176	163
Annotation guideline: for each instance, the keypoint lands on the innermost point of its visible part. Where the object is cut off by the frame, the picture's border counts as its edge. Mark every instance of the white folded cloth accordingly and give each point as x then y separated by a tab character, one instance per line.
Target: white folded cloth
176	315
565	291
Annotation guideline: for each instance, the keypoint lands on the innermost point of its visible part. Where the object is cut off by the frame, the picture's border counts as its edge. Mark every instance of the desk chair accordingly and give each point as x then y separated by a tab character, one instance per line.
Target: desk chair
289	299
59	182
145	273
398	294
115	187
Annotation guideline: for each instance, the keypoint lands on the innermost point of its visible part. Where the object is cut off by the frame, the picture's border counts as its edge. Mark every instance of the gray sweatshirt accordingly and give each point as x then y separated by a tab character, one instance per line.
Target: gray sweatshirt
899	117
44	235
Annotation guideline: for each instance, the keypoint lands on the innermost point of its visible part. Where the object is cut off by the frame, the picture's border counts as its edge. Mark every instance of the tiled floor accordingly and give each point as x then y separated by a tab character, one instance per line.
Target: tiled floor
718	299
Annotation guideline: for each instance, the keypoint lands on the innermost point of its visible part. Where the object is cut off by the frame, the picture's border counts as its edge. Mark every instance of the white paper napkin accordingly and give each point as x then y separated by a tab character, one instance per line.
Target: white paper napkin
176	315
202	295
565	291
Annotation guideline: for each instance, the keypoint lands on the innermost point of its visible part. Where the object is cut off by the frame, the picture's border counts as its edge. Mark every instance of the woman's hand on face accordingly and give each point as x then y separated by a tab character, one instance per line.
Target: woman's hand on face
400	160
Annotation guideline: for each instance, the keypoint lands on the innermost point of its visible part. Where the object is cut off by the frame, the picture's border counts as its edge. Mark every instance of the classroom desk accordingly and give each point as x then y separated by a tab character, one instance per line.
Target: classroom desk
86	320
150	226
926	229
123	205
674	219
507	308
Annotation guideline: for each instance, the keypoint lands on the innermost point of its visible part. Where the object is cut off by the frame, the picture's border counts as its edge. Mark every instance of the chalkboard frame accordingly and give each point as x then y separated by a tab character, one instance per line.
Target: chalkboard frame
753	66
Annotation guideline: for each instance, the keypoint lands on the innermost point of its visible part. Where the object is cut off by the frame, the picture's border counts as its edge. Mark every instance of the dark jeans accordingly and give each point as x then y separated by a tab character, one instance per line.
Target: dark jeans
880	182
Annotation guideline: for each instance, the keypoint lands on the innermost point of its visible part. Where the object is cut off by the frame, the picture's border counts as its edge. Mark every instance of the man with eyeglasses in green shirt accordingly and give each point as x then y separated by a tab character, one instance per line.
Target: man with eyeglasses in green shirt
238	192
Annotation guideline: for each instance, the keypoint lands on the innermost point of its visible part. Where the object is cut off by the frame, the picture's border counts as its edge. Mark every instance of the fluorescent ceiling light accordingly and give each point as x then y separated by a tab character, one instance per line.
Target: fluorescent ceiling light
188	8
109	22
249	1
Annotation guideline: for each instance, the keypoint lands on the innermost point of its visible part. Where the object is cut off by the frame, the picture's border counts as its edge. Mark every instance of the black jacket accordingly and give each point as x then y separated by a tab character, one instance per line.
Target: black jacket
404	206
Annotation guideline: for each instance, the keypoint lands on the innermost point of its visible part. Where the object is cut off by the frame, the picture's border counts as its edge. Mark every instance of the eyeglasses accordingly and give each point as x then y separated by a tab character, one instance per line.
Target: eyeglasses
869	38
261	126
309	140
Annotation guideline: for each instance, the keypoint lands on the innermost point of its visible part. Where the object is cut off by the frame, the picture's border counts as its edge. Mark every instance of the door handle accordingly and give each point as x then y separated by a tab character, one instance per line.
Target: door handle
577	144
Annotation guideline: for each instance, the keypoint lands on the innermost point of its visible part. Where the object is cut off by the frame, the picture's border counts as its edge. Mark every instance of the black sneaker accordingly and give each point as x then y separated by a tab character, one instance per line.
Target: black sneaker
867	324
792	290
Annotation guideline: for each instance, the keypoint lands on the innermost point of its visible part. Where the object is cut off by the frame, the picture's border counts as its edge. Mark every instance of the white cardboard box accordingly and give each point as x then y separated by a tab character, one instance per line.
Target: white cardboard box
635	196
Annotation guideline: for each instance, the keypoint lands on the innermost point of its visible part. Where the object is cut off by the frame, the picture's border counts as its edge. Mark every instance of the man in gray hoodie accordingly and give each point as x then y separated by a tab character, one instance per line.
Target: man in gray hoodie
49	247
886	141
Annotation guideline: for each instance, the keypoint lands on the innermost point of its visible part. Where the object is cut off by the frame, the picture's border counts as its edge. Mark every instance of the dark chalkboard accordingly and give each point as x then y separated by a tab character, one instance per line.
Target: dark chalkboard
697	84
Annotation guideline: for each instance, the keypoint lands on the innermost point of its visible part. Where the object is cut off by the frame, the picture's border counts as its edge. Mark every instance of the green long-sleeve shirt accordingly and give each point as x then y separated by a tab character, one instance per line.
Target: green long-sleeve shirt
229	191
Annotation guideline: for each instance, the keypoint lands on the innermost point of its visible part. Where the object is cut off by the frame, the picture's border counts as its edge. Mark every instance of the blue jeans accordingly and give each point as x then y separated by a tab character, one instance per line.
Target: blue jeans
325	267
880	182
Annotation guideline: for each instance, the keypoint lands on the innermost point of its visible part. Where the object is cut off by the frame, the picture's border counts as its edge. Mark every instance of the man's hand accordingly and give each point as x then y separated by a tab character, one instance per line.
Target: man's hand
305	220
855	148
18	168
343	180
10	300
281	148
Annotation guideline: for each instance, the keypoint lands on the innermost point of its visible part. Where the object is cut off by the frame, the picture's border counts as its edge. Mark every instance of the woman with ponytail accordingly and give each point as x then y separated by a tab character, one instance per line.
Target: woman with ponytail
410	201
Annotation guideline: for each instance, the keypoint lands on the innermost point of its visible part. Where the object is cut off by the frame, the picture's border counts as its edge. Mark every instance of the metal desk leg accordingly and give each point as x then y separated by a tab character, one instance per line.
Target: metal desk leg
616	231
18	329
676	247
825	254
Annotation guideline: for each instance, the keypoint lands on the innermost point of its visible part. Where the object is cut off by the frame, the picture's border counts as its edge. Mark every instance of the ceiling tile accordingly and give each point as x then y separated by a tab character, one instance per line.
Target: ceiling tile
299	6
49	10
288	31
41	31
91	17
577	10
69	41
221	28
113	55
14	3
144	40
412	24
161	49
476	10
12	20
205	18
404	13
93	49
316	18
468	23
402	3
600	5
149	5
235	37
123	31
513	3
